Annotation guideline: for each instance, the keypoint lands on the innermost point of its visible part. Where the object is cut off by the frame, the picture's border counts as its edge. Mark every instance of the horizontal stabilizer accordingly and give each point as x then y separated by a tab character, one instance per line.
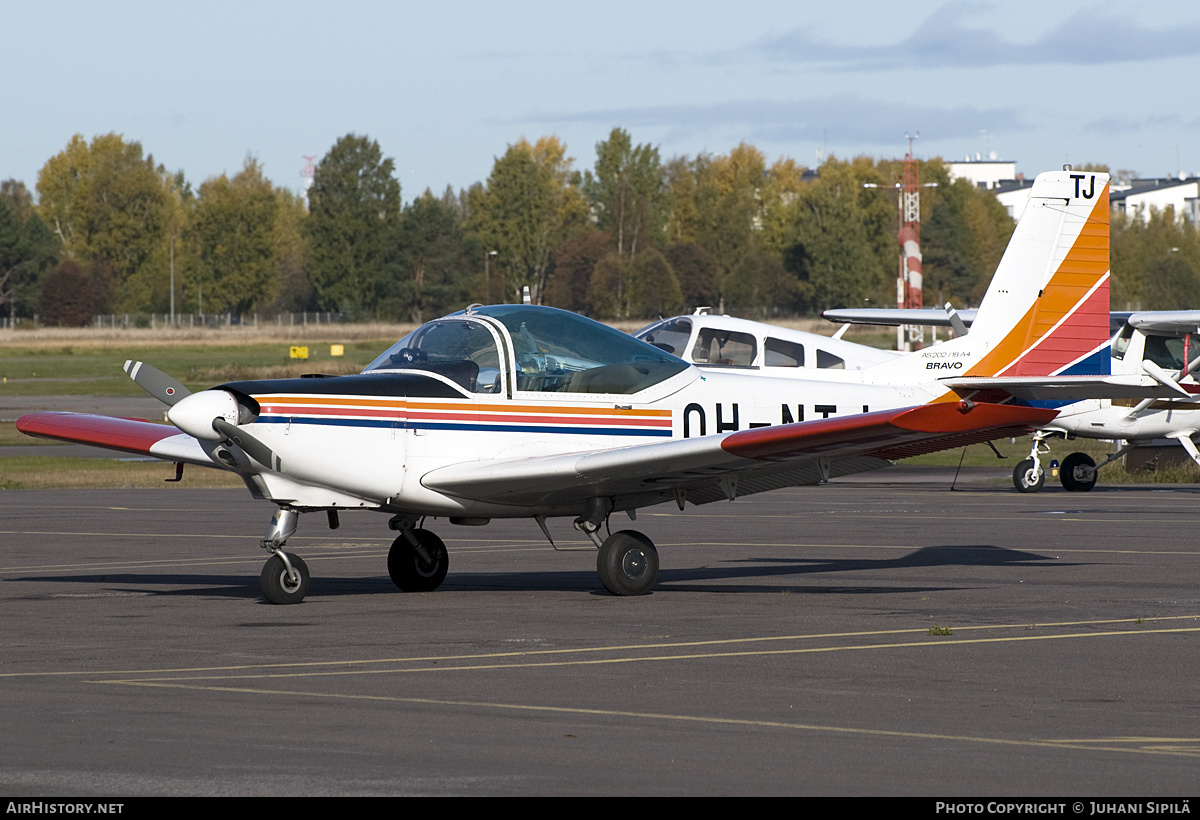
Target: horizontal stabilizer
1070	388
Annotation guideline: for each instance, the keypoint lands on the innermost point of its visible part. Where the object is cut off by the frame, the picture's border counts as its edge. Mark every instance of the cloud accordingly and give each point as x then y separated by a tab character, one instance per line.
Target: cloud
946	40
838	119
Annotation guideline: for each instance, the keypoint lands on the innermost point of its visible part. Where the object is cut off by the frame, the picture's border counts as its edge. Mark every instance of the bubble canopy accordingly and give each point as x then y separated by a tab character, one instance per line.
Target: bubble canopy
534	348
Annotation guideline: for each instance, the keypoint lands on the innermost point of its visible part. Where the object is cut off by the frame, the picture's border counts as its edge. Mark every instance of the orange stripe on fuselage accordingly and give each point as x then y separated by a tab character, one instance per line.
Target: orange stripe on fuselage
466	406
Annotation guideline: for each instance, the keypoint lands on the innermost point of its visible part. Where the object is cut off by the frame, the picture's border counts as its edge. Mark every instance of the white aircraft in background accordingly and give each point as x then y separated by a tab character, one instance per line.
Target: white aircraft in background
517	411
716	341
1156	343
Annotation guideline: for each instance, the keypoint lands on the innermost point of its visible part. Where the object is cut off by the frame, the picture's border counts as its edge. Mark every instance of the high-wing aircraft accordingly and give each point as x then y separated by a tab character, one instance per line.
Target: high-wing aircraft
1158	344
518	411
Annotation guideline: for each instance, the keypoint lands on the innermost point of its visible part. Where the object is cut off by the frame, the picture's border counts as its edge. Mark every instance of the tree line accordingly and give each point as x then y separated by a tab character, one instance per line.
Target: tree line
631	236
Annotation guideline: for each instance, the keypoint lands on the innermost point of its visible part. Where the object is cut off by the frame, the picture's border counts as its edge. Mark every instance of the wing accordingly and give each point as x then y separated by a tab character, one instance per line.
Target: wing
127	435
1166	322
730	464
926	317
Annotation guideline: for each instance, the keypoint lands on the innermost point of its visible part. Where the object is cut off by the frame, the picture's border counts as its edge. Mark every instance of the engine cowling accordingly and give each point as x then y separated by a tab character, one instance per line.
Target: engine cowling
195	414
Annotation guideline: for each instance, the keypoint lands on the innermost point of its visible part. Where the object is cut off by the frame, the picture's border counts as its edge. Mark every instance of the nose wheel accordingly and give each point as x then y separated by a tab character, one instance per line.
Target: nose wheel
284	579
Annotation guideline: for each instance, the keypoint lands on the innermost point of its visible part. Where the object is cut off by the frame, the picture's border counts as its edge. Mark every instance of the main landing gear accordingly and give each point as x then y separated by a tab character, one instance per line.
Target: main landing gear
1078	472
418	559
627	561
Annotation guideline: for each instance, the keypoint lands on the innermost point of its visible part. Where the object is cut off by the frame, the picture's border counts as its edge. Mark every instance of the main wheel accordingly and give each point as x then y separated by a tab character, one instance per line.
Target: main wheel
412	573
1078	472
1024	480
627	563
281	587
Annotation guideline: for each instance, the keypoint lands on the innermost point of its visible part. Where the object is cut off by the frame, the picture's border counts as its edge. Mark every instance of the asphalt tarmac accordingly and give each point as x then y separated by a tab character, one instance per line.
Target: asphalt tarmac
871	637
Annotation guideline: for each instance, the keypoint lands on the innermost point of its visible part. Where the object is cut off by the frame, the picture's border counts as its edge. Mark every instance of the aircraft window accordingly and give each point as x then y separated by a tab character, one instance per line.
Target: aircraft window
1120	343
829	361
1165	351
783	354
724	347
670	336
464	352
559	351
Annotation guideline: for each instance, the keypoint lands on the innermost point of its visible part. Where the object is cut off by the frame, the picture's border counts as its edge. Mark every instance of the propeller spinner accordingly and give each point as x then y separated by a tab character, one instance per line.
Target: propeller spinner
212	415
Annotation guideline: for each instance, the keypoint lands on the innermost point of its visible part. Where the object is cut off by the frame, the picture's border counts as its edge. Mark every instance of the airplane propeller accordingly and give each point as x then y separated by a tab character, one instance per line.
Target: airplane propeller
156	383
212	415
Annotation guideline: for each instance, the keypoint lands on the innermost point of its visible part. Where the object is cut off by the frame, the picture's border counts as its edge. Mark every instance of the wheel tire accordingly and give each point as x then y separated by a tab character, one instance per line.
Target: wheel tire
277	587
1021	477
1078	472
627	563
409	572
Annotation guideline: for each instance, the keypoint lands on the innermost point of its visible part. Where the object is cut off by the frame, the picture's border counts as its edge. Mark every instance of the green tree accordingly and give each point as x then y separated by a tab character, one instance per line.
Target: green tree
653	288
843	248
290	254
570	276
354	212
232	237
1153	256
628	193
438	266
529	206
963	236
28	250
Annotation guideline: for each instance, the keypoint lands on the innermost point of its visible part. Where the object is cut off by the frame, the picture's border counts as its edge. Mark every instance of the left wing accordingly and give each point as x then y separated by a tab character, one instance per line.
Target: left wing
126	435
712	467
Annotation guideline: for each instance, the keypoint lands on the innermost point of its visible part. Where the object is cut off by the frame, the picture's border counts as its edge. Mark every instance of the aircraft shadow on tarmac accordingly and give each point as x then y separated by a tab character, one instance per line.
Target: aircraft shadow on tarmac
773	571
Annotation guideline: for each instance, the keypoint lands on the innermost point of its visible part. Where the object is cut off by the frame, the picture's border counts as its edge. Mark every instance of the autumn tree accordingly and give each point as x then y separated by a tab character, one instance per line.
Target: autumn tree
72	295
106	199
354	213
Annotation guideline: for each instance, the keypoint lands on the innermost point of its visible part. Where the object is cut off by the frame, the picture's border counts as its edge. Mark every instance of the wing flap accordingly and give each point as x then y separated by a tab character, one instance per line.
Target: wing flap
125	435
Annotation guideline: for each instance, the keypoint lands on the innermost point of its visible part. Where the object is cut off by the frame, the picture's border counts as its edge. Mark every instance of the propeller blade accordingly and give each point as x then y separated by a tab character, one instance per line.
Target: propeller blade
254	448
156	383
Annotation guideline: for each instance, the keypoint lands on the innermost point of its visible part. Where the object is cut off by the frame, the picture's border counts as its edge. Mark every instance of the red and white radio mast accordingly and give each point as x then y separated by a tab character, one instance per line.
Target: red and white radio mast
908	282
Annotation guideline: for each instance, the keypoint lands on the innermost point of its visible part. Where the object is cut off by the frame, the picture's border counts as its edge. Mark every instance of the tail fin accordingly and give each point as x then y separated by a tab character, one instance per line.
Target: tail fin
1046	310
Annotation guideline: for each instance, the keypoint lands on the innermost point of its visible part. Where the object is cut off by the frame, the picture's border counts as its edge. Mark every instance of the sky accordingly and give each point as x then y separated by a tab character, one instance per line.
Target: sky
444	87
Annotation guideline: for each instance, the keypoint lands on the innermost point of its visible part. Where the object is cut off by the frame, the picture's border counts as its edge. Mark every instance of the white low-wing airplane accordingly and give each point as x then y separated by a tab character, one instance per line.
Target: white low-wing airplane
1158	344
521	411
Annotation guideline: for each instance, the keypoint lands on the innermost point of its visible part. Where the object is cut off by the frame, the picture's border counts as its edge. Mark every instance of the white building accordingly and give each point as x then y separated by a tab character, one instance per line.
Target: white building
1145	195
983	173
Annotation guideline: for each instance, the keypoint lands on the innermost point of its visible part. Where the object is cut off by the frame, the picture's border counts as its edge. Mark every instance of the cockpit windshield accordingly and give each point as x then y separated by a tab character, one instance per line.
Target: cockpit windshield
553	351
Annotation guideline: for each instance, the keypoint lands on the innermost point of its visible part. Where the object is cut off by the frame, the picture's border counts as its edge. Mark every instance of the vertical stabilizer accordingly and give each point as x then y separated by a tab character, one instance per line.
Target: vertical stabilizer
1046	310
